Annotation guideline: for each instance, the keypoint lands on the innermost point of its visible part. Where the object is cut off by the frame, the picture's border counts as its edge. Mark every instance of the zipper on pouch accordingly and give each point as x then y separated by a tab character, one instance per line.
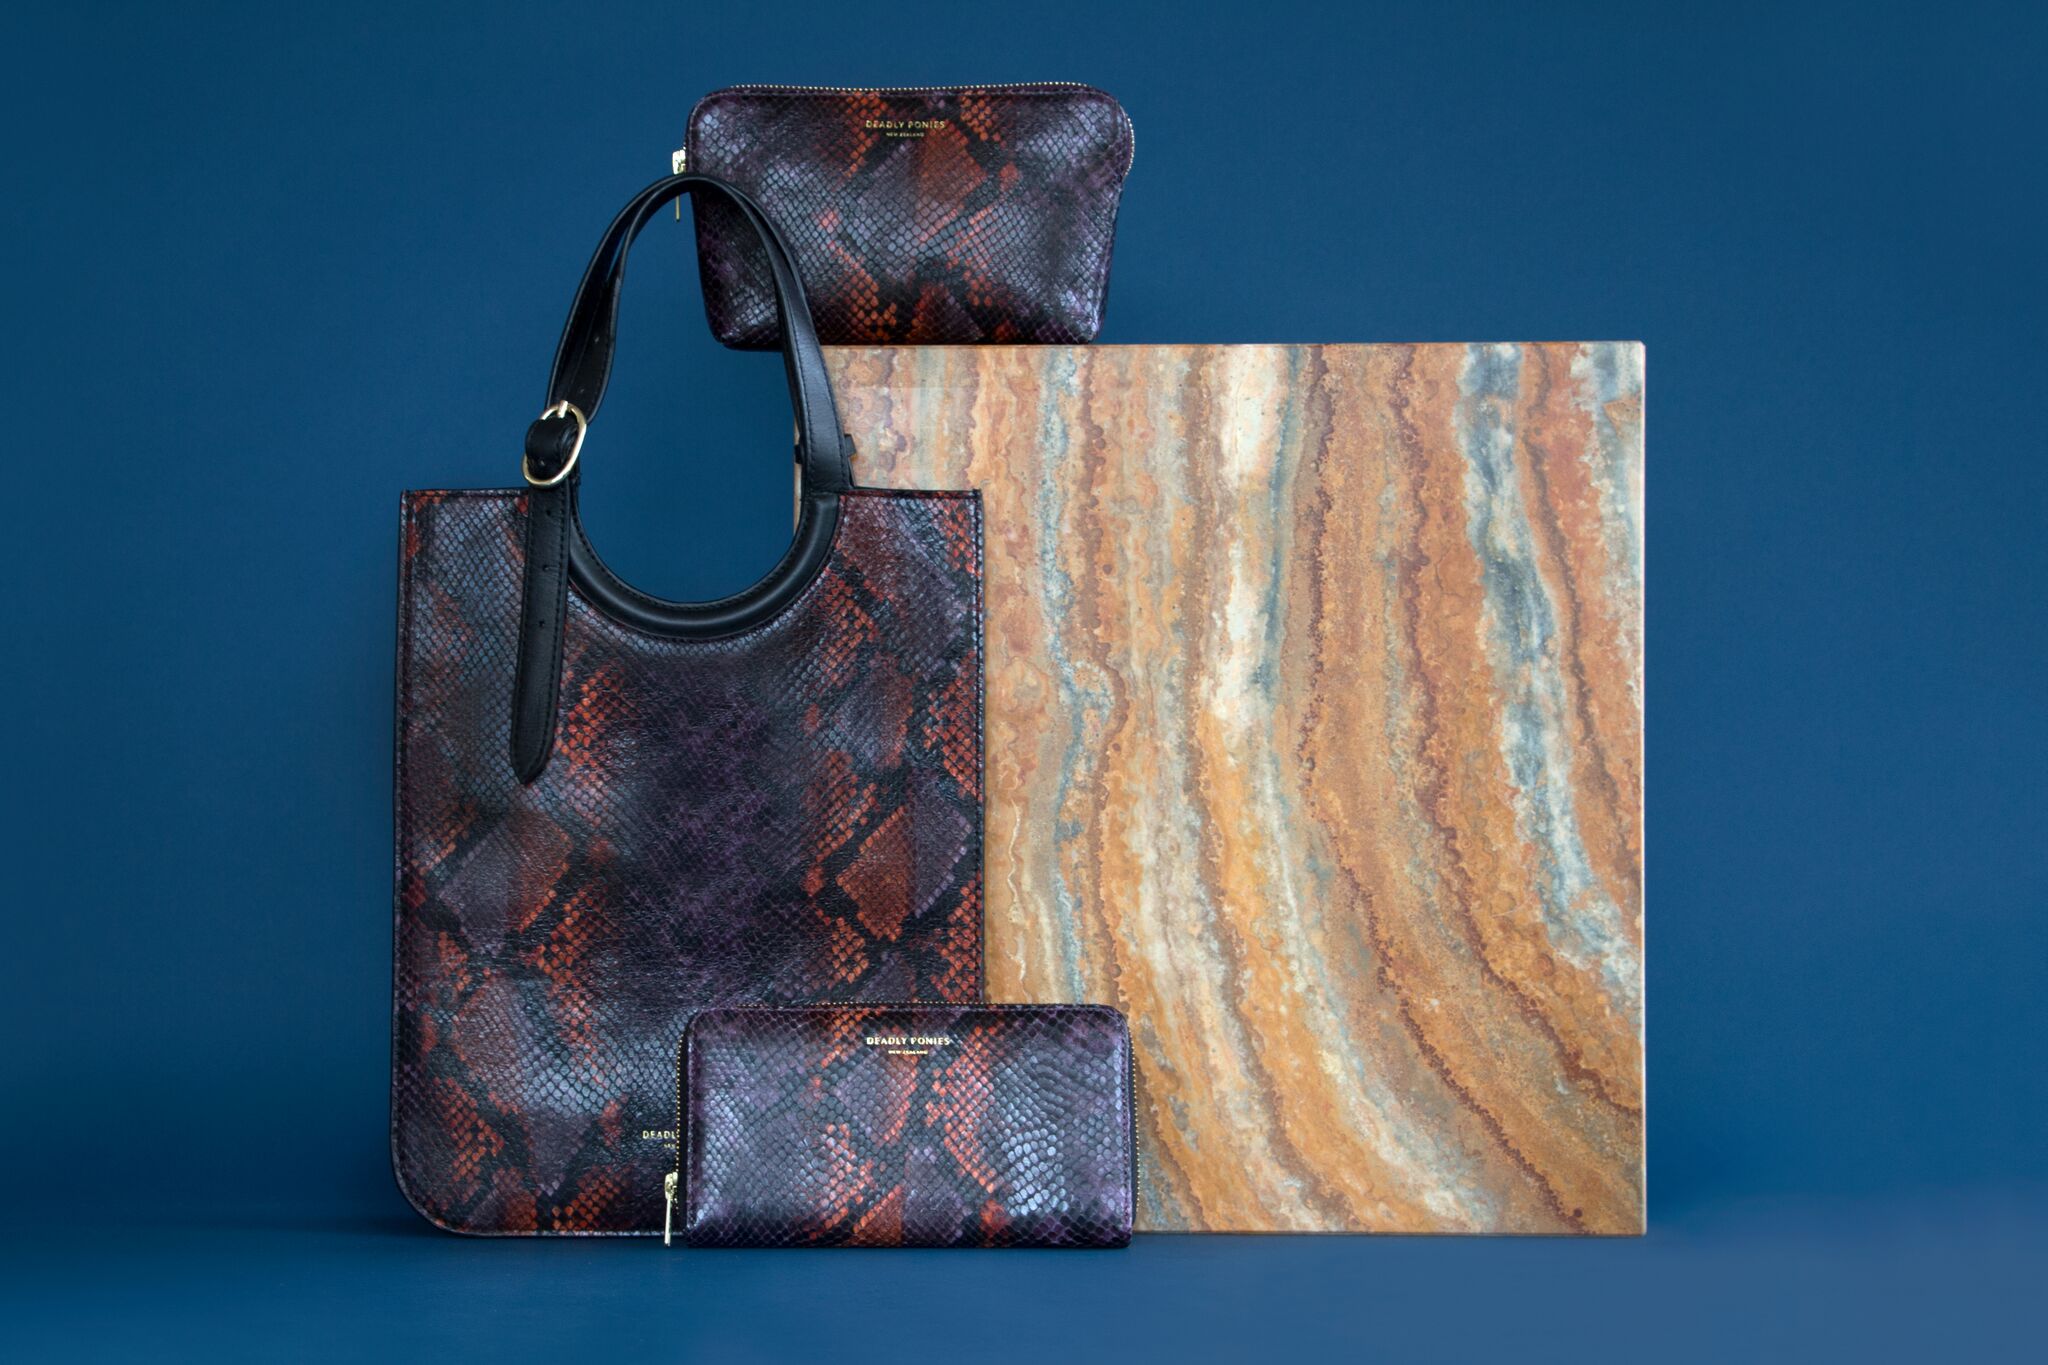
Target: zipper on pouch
679	159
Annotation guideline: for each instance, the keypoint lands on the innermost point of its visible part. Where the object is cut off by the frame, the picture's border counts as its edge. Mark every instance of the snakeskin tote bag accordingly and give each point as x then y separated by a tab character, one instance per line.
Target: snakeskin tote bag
613	810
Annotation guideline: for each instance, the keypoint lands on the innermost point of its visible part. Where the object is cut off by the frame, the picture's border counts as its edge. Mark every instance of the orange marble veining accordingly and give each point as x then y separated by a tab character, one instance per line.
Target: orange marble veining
1314	717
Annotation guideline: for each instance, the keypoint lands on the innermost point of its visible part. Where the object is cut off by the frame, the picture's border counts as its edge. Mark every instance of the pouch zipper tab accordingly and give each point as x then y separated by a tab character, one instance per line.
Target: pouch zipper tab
677	160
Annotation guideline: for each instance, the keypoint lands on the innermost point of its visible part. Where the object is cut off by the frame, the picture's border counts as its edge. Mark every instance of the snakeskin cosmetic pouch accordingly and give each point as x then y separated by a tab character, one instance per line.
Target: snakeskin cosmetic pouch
915	1125
916	216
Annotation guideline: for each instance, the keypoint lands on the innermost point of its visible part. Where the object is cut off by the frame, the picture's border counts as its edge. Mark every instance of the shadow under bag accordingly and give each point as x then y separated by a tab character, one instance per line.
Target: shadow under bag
614	810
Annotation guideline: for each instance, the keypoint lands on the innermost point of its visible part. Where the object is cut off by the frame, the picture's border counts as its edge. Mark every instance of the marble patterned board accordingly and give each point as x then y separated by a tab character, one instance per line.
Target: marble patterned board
1314	722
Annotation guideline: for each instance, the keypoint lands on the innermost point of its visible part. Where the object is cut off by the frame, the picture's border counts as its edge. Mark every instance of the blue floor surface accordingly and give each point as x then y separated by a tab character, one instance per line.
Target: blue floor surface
1940	1278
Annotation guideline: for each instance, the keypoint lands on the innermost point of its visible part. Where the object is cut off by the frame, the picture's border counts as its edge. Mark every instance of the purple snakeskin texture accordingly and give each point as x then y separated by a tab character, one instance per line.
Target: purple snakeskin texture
933	216
792	814
980	1126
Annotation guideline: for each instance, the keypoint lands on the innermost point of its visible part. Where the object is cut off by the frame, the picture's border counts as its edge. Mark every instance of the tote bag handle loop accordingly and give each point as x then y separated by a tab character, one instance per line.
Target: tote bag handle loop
583	358
557	549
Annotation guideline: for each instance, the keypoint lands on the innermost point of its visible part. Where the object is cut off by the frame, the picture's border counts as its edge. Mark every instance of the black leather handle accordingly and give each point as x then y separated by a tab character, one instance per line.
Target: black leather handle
583	357
556	549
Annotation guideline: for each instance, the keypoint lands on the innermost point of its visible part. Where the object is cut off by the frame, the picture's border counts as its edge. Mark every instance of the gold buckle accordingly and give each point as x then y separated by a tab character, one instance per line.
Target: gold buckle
564	408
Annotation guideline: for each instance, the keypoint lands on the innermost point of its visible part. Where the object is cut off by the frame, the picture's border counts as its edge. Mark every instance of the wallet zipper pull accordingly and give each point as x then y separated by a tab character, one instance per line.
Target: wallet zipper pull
668	1218
677	160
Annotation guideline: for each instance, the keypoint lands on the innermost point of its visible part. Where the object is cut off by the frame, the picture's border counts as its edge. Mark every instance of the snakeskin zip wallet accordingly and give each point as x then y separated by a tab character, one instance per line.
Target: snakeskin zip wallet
917	216
905	1125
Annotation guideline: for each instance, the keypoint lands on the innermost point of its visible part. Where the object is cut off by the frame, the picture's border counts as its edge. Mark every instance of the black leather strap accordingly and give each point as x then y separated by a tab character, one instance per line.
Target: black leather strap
538	681
817	520
557	548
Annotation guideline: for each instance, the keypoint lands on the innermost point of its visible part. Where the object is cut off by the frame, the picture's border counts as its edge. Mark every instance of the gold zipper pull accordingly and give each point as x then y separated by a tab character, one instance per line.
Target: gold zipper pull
678	159
668	1182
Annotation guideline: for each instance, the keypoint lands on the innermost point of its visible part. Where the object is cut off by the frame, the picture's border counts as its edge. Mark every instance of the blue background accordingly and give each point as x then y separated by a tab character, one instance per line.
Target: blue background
267	265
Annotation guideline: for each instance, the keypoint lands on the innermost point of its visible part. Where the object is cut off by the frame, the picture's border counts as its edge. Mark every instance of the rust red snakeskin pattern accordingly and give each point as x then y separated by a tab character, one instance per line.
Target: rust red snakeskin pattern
989	1126
915	216
697	840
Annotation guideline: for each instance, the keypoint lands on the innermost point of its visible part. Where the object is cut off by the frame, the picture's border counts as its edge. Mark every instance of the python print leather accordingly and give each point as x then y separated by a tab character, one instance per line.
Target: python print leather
915	216
988	1126
790	814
